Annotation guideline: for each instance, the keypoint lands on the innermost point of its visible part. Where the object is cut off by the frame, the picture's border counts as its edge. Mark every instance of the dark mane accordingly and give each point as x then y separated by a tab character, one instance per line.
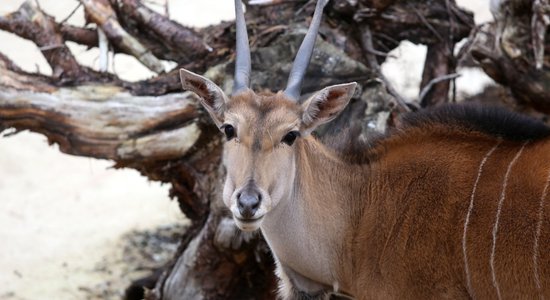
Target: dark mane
490	120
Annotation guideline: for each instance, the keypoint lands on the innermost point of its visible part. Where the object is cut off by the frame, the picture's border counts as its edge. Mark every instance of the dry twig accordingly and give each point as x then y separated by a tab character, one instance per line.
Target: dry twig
31	23
539	22
433	82
366	40
101	13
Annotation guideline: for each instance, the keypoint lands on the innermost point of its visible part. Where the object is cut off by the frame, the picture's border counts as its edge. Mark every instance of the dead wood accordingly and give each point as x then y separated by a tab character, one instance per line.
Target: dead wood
421	22
166	38
511	51
439	63
540	21
31	23
98	120
84	36
437	24
101	13
370	53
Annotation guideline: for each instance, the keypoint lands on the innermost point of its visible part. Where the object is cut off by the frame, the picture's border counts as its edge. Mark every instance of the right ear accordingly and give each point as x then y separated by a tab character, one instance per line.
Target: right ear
210	95
325	105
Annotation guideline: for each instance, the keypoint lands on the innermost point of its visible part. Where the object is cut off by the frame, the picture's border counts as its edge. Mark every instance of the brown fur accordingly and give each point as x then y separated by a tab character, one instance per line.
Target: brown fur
404	239
407	207
389	222
404	213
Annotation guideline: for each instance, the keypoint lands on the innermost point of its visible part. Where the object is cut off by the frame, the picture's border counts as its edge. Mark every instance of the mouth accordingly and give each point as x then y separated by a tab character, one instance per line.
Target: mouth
248	224
248	221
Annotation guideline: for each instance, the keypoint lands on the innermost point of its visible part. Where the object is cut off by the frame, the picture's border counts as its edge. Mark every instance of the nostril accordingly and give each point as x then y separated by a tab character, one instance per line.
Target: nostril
238	196
256	204
240	205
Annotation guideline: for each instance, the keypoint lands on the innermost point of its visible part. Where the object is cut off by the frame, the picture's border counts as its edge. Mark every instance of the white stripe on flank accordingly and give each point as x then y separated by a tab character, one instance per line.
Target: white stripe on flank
467	220
497	218
537	235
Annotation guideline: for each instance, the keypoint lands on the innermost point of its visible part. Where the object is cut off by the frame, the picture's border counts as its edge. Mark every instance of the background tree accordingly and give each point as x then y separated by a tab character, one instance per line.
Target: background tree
155	128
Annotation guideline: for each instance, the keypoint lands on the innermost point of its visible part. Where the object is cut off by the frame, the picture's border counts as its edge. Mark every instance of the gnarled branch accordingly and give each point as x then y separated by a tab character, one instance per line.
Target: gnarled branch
101	13
31	23
100	120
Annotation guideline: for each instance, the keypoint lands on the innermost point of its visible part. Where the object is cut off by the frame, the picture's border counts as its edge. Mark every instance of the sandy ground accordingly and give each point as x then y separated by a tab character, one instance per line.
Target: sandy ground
61	216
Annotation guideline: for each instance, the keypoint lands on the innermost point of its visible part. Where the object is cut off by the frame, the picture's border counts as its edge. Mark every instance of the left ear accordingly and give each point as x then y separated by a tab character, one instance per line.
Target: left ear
210	95
325	105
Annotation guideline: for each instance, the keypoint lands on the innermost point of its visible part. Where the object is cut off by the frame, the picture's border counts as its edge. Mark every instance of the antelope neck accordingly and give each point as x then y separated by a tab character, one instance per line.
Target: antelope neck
307	230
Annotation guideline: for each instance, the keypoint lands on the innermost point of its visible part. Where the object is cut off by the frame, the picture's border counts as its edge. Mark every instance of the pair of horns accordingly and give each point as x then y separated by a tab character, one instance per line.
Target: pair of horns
301	62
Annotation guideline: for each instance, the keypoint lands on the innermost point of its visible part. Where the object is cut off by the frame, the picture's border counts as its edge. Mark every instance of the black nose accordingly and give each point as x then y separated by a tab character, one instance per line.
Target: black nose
248	202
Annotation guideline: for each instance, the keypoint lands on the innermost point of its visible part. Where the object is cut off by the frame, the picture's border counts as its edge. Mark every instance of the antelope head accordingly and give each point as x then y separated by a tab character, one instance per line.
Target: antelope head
263	131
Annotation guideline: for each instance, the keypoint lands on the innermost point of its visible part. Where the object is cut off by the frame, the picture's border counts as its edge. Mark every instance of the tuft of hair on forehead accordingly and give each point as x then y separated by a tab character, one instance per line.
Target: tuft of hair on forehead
263	102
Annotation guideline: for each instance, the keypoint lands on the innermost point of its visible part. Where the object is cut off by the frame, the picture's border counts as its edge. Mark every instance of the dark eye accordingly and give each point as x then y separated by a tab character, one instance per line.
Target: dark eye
229	131
290	137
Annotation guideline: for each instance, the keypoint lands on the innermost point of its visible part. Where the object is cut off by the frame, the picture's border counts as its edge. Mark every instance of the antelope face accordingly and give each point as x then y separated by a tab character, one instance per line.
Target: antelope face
263	133
261	130
259	155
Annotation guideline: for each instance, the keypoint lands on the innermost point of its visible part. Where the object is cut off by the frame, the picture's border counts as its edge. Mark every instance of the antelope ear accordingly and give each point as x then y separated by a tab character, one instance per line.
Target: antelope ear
325	105
210	95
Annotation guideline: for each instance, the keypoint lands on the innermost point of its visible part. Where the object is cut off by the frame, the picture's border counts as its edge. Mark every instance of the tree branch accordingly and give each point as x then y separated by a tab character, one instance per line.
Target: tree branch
512	62
31	23
101	121
421	22
539	23
439	62
101	13
366	37
183	43
426	89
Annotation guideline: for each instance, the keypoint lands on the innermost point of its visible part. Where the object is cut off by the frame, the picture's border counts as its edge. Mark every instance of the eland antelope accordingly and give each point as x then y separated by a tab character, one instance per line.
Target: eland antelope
452	205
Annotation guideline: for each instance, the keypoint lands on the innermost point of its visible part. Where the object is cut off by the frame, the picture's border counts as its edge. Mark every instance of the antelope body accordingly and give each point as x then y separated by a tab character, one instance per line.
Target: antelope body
453	204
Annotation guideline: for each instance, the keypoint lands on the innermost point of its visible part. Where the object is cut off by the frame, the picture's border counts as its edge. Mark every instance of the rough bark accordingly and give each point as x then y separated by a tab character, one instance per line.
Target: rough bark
162	35
441	63
512	50
101	13
31	23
